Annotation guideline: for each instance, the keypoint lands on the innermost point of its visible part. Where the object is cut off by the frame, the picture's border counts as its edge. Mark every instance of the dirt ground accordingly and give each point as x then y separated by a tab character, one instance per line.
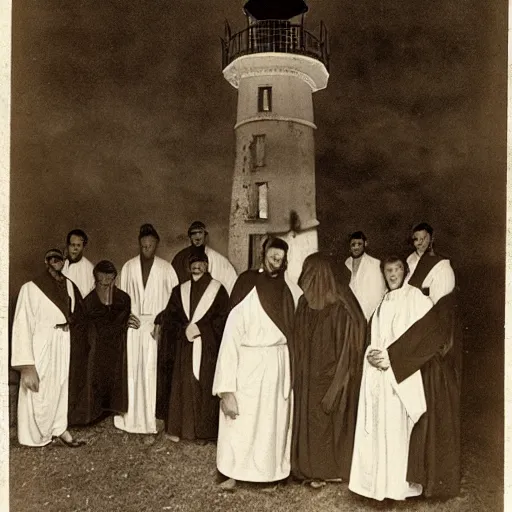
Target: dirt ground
116	471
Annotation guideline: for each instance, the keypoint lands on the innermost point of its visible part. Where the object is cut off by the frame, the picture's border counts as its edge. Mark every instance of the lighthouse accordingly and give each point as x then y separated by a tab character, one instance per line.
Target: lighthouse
276	65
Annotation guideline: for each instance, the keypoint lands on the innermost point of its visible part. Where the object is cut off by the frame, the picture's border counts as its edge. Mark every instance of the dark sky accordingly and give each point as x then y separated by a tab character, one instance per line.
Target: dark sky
121	116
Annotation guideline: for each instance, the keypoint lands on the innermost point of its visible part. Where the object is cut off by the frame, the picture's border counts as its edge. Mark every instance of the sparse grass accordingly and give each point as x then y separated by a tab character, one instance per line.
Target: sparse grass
118	472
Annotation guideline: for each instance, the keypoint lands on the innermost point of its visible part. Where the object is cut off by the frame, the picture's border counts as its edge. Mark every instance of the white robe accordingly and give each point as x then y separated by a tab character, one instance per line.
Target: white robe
253	363
35	341
142	348
388	411
221	269
440	280
367	283
81	274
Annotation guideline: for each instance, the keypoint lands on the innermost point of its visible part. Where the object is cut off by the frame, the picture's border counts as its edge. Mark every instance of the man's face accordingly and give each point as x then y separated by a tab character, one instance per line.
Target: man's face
55	263
75	247
197	237
274	259
198	269
394	273
421	240
357	247
148	246
104	281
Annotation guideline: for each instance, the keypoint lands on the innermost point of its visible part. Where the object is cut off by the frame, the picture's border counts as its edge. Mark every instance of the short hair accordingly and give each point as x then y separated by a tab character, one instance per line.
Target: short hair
148	230
357	235
196	226
79	233
393	258
53	253
104	267
423	226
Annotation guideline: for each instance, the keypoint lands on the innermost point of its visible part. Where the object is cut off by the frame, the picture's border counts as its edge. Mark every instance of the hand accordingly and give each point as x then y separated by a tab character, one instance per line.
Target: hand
385	363
192	332
30	378
133	322
156	332
378	359
229	405
64	327
374	357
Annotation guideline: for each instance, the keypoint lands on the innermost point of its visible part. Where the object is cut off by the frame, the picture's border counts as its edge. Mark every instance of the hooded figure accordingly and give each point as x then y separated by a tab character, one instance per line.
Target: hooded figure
327	355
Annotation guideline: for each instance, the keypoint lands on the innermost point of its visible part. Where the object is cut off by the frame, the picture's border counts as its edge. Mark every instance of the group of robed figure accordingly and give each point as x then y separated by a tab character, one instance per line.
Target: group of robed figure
340	377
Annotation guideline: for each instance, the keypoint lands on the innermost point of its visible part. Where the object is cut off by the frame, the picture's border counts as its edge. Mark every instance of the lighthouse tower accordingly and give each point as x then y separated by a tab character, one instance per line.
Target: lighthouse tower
276	65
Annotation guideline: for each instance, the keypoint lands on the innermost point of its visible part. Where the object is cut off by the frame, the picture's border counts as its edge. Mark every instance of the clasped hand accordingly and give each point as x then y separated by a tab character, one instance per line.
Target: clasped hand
192	332
378	358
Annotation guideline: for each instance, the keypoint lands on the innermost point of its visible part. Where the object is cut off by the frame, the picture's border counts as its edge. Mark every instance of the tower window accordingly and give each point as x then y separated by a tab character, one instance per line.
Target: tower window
255	248
258	201
258	152
264	99
262	200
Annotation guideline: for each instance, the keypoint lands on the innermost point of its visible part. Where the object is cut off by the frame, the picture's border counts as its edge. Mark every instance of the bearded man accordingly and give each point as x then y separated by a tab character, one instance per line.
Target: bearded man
253	377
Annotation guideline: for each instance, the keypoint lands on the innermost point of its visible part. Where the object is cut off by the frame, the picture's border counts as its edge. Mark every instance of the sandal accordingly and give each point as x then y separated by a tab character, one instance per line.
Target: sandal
59	441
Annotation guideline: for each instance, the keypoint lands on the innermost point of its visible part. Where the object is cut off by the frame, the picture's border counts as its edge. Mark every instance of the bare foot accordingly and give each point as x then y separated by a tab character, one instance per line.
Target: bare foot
334	480
174	439
228	485
67	437
317	484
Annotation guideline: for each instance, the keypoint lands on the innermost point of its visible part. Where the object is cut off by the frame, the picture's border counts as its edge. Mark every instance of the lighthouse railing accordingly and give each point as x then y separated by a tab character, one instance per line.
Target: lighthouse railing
275	36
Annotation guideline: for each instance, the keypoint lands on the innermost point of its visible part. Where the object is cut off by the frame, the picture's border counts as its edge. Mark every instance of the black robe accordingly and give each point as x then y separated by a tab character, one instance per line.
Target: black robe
328	352
192	411
98	366
434	346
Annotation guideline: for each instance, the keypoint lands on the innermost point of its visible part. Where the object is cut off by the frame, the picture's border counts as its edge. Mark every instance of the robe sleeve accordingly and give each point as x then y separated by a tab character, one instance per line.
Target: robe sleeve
443	281
24	327
225	379
429	336
169	317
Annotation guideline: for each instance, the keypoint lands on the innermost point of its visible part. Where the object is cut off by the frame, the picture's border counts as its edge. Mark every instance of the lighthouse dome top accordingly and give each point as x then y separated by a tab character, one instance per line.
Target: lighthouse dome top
275	9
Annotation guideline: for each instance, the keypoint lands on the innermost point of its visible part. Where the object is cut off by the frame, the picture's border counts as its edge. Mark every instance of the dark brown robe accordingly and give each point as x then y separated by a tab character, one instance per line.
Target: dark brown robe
434	346
98	366
192	411
327	353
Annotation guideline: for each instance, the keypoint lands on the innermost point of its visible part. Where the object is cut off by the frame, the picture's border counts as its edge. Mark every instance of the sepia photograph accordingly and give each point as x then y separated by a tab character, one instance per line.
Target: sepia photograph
255	256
